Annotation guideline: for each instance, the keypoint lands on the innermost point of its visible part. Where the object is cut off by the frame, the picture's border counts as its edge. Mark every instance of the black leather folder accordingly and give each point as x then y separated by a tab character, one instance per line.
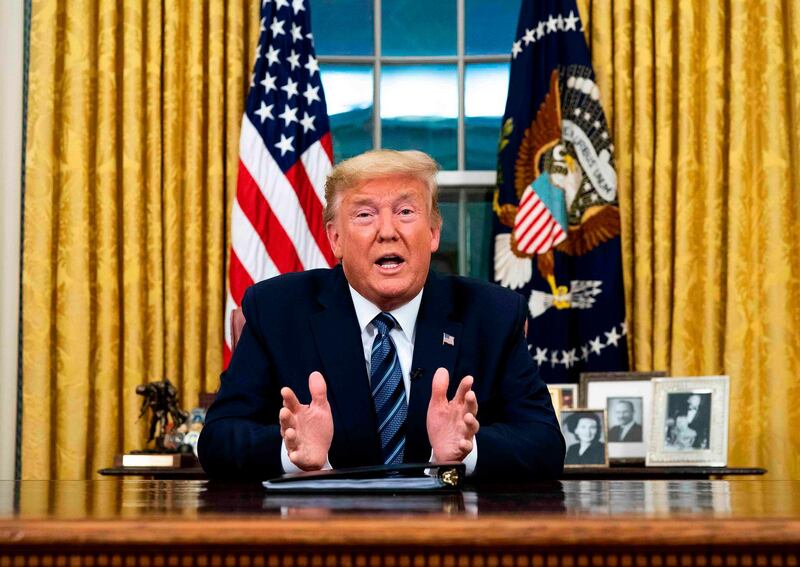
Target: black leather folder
406	477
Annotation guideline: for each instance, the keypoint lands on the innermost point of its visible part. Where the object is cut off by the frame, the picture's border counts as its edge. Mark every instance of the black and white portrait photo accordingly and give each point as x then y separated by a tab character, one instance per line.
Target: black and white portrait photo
687	425
690	421
624	420
584	432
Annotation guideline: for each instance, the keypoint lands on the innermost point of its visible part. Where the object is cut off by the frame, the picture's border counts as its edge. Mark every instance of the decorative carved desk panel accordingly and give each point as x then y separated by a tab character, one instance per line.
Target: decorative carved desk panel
125	522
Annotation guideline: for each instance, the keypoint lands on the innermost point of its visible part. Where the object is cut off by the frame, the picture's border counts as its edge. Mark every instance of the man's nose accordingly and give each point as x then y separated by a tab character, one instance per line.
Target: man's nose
386	227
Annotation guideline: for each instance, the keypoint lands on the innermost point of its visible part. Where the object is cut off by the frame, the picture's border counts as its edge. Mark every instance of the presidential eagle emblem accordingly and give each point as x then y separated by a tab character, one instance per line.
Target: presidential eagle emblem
566	188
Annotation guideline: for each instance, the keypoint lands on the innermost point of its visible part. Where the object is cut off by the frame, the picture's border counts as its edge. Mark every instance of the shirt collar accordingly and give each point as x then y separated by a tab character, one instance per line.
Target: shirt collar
405	315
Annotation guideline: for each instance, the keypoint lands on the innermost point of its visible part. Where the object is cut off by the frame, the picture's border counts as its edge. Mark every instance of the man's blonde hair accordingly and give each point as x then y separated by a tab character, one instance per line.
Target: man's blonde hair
379	164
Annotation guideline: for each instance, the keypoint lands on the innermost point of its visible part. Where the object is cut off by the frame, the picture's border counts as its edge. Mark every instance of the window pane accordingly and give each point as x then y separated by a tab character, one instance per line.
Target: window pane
348	93
419	110
332	22
445	260
418	27
485	92
479	232
490	26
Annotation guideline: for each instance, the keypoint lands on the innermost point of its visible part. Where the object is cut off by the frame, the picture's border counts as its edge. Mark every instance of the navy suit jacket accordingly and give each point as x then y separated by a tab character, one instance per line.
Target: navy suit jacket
301	322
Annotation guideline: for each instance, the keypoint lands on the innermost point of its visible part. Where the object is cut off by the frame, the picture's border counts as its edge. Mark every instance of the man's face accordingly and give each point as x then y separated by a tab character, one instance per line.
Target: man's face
623	412
384	236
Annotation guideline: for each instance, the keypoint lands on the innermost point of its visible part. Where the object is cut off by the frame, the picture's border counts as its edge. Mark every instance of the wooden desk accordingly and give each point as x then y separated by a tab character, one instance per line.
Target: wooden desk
577	473
127	522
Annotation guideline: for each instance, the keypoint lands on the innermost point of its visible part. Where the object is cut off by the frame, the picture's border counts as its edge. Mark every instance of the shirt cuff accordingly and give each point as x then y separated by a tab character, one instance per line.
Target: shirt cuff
472	459
469	461
290	467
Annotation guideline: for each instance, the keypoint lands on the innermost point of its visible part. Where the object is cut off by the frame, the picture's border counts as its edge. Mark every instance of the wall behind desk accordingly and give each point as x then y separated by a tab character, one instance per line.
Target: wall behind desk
11	62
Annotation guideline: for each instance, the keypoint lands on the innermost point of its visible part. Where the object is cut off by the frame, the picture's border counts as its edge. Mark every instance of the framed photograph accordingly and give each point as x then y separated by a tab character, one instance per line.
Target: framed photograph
690	422
628	399
564	396
585	433
587	378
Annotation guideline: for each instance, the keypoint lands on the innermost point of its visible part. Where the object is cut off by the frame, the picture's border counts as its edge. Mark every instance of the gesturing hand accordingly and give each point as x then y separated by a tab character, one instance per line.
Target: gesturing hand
451	425
307	430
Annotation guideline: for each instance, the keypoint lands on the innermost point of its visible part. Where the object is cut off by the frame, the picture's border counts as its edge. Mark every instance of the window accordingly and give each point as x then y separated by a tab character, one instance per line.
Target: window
416	74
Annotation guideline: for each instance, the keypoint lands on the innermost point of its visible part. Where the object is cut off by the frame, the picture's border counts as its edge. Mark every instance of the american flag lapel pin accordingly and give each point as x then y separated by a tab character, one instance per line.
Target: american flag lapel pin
448	339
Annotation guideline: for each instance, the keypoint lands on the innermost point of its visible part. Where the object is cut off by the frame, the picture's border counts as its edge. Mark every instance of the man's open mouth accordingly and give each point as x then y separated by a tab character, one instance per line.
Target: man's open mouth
389	262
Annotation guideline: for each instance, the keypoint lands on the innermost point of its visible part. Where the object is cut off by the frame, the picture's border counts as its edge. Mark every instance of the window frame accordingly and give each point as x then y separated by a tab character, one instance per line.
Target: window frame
377	61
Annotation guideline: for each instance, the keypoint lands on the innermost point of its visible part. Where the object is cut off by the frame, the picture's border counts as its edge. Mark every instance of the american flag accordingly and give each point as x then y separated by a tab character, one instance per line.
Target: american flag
285	154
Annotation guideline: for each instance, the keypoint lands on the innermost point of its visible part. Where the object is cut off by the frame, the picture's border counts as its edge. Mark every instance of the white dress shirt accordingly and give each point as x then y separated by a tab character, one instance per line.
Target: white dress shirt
402	335
624	429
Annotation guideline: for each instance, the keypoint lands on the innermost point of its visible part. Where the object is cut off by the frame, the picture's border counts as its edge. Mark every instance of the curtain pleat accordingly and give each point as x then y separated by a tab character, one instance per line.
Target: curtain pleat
41	194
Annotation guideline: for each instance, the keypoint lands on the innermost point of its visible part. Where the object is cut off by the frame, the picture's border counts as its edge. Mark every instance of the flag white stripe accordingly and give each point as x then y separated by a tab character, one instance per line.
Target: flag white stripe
230	305
318	166
280	195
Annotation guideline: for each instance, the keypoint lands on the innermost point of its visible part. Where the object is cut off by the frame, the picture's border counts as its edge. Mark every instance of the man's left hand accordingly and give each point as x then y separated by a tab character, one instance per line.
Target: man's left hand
452	425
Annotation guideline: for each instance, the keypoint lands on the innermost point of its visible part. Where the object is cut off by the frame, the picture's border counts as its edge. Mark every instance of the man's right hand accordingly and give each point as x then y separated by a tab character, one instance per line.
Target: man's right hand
307	430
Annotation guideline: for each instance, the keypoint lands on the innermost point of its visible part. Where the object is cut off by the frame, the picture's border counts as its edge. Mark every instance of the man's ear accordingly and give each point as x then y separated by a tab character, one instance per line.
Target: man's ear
333	238
436	233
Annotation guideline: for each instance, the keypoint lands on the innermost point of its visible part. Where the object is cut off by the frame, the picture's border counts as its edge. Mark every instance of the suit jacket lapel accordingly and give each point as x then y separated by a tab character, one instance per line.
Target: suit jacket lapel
338	341
431	351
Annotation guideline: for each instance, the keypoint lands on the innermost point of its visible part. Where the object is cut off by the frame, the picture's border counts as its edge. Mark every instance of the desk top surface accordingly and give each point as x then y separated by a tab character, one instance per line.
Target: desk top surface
754	511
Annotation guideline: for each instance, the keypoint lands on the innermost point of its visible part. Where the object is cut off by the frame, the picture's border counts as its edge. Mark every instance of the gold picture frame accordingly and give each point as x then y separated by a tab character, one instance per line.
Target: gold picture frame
595	453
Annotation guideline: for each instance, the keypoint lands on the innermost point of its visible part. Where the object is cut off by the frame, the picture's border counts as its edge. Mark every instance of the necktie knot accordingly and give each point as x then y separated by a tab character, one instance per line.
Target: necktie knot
384	323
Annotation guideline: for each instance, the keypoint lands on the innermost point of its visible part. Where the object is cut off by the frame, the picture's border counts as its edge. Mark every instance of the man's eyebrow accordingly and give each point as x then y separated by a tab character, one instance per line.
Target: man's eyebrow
363	201
404	196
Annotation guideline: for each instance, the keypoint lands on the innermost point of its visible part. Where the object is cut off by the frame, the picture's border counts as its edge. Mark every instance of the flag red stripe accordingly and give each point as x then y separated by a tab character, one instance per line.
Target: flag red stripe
258	211
239	278
312	208
226	354
327	145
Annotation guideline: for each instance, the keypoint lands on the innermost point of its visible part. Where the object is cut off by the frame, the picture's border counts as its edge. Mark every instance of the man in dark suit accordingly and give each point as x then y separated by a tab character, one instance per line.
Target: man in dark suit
372	344
626	429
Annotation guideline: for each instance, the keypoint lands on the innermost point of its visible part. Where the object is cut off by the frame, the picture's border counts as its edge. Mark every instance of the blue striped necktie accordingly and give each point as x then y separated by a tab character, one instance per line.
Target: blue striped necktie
388	392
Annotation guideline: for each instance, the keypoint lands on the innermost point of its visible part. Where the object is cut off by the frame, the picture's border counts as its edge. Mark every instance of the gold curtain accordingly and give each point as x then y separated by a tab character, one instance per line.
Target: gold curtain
133	124
704	102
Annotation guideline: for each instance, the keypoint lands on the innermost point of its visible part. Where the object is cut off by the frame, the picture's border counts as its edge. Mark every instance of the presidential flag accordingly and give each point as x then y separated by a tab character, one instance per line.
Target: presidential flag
285	155
556	212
